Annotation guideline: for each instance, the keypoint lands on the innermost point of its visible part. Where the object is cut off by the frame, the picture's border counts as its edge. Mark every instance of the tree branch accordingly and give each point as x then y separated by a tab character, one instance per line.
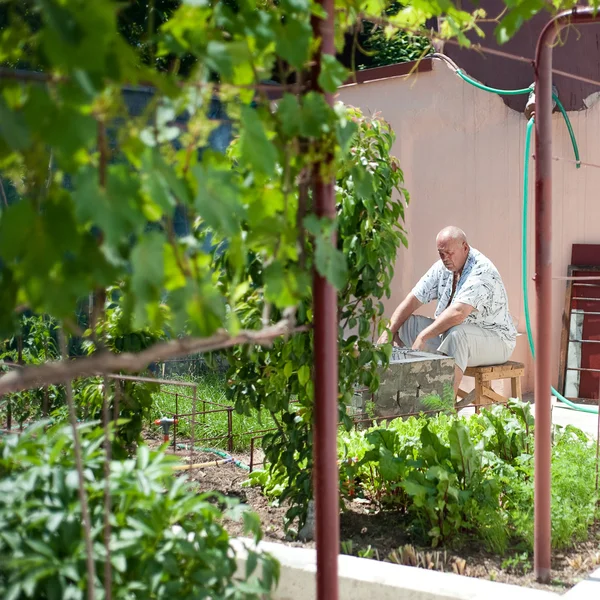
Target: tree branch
107	362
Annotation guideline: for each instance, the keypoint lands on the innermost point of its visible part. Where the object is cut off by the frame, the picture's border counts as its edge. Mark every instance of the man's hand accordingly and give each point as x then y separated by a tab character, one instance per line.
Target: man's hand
383	338
419	343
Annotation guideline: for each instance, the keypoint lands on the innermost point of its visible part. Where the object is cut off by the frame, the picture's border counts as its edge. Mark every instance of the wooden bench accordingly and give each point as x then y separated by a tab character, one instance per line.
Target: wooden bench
483	393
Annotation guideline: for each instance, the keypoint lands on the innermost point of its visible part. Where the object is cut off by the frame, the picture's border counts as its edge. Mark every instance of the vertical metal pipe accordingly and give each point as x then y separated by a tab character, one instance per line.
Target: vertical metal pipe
543	290
252	452
229	429
175	419
193	436
543	282
325	362
598	444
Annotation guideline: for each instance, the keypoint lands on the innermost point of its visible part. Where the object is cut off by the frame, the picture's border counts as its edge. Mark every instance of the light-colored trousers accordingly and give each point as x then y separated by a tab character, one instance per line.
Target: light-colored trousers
468	344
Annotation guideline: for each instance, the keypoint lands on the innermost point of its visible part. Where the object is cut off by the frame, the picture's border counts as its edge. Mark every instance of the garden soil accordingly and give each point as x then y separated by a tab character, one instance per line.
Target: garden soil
363	525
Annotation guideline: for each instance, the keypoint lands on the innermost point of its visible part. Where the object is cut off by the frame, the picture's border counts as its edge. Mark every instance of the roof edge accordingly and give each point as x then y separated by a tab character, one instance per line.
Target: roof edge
404	69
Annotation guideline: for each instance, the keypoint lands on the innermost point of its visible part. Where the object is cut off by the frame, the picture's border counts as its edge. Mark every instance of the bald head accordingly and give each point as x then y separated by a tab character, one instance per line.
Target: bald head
452	234
453	248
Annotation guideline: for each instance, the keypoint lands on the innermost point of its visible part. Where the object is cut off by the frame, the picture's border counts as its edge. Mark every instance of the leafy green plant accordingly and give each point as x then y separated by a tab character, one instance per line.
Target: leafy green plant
369	552
453	476
518	563
130	402
443	403
165	540
369	230
271	484
347	547
379	47
34	344
508	433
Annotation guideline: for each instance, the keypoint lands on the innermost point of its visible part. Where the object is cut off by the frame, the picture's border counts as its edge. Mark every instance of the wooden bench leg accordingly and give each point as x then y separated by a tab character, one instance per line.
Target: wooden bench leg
515	388
486	393
478	392
465	399
493	397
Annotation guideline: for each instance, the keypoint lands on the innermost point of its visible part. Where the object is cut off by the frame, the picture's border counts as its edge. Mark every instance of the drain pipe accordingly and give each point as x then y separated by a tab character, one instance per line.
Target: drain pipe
543	281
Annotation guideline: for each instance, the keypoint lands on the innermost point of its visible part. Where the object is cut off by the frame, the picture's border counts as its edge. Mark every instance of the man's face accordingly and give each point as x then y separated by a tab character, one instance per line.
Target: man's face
453	254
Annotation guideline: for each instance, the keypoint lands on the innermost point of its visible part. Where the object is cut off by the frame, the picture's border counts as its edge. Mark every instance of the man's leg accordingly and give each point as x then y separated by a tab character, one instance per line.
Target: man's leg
472	346
411	329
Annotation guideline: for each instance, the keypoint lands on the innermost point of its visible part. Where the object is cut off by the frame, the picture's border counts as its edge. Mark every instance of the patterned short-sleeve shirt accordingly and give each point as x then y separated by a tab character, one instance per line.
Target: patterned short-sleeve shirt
479	286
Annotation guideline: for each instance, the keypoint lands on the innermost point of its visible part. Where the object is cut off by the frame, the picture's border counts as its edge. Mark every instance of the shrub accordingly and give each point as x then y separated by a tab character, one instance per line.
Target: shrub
165	541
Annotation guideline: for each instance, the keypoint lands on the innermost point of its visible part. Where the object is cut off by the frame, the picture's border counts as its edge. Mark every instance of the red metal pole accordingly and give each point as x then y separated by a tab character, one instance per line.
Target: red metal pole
325	366
543	283
543	289
229	429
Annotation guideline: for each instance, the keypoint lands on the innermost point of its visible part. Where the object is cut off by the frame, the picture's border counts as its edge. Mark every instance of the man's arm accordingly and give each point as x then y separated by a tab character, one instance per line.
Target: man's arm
406	308
454	315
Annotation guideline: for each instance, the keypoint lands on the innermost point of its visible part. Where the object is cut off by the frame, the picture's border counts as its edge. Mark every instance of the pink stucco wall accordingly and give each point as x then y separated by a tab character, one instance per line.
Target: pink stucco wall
461	150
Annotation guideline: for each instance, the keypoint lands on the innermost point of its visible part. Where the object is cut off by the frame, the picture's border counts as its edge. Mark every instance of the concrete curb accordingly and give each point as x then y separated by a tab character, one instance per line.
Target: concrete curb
587	589
364	579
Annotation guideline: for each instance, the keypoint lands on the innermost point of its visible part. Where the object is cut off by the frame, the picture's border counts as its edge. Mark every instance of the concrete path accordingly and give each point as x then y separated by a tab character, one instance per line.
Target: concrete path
563	415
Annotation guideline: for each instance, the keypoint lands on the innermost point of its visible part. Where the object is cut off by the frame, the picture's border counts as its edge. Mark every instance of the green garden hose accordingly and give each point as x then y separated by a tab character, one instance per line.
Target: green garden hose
221	453
569	128
465	77
485	88
527	90
524	285
590	410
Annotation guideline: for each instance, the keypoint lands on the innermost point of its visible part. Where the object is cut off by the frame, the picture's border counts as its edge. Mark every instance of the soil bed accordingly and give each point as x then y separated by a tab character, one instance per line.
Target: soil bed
363	525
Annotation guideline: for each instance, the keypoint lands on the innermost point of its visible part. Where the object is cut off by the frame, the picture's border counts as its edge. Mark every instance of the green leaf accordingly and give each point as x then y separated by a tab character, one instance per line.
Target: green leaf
218	198
252	524
333	74
303	375
317	116
345	131
391	467
143	456
119	562
515	17
293	41
284	286
434	450
13	127
463	453
256	149
147	261
383	438
288	369
331	263
364	327
413	488
116	210
289	113
251	563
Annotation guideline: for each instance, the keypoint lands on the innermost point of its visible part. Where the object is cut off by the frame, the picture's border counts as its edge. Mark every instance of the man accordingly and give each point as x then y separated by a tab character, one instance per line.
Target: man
472	322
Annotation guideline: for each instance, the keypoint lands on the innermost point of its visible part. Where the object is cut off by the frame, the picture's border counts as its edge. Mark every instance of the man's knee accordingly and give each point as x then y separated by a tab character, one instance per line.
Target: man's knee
455	344
456	335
